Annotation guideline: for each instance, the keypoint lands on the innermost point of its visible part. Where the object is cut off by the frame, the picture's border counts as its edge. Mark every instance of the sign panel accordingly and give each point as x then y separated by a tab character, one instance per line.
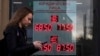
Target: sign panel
54	23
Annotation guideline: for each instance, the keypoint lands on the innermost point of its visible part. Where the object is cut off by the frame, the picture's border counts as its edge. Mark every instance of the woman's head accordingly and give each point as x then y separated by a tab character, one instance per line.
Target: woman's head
22	16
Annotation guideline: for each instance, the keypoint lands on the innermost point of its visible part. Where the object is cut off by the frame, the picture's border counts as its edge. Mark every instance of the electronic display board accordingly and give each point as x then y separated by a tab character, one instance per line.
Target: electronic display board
53	23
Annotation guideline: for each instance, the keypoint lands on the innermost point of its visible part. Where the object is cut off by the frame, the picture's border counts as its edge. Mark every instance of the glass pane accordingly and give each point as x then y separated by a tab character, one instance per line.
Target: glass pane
60	23
84	27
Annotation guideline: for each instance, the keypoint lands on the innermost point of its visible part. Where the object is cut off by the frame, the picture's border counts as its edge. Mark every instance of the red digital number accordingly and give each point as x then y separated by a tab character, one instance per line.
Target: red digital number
63	26
63	47
43	27
58	48
69	47
40	27
69	27
36	27
47	47
58	27
49	27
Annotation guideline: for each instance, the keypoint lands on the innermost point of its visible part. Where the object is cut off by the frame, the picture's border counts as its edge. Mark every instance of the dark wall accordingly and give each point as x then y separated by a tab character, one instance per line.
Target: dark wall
96	28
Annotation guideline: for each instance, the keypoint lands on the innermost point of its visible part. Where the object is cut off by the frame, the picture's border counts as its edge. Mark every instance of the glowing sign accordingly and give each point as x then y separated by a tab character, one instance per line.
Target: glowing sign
48	27
42	27
68	47
52	24
65	27
54	18
54	39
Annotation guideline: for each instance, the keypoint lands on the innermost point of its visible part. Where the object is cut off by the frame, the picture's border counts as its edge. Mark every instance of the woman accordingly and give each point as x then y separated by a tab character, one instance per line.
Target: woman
15	34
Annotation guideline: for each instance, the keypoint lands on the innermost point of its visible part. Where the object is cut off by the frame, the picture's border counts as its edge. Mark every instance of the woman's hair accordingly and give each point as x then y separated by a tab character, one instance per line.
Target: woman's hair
19	15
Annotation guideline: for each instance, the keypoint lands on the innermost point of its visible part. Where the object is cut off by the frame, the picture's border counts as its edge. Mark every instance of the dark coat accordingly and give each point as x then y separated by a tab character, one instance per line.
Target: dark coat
16	42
